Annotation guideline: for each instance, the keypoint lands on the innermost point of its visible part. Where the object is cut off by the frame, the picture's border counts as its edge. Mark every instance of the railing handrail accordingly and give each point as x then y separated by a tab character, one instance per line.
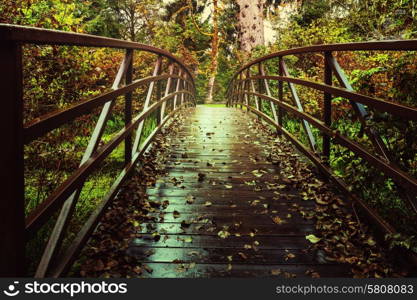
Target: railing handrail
242	91
64	198
42	36
386	45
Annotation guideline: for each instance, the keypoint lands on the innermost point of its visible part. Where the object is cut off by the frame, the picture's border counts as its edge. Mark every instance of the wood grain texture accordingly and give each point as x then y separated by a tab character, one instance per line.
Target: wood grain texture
230	195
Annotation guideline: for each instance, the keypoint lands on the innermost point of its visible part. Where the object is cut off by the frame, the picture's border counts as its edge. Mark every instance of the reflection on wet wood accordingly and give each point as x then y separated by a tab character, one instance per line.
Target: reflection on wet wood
226	217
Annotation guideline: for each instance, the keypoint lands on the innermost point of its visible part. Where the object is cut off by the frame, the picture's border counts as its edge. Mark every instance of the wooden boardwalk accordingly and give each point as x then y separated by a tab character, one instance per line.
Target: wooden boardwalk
220	219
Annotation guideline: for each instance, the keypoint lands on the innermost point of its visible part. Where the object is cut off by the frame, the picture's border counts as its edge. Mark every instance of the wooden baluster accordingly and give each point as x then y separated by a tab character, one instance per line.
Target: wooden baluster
185	95
260	88
268	92
183	88
128	108
241	89
158	97
151	87
247	83
233	96
177	88
12	237
327	105
256	98
170	105
280	93
233	93
236	101
237	87
297	103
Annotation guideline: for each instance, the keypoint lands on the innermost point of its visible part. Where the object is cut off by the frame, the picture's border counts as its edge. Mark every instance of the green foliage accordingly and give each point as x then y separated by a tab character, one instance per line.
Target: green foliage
399	240
311	10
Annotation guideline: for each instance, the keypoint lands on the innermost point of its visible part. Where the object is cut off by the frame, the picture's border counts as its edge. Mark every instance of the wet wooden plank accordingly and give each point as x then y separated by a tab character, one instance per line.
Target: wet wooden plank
180	270
232	242
175	228
225	256
231	217
224	224
239	209
282	200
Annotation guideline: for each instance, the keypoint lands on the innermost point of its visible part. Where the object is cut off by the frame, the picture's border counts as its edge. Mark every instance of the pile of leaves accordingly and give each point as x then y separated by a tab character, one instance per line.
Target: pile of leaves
341	236
105	254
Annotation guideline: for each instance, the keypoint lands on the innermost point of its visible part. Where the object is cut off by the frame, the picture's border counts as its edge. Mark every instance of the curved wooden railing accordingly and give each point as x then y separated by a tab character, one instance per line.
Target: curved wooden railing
248	88
16	229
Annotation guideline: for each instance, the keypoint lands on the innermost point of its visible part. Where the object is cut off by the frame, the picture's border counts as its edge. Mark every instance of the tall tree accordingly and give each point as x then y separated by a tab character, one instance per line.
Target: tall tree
214	52
136	18
251	24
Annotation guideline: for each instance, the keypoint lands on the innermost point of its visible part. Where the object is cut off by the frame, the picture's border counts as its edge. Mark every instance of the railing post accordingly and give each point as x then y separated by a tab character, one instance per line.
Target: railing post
156	72
268	92
12	232
128	108
327	104
247	83
297	102
177	88
260	87
280	93
242	88
167	91
234	91
158	97
187	88
183	86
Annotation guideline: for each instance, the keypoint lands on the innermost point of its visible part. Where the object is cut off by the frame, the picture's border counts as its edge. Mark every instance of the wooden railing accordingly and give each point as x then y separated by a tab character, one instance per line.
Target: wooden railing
16	229
248	88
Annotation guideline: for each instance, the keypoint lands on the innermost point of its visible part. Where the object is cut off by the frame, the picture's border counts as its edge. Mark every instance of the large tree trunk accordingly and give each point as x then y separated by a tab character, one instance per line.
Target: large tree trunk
214	53
251	24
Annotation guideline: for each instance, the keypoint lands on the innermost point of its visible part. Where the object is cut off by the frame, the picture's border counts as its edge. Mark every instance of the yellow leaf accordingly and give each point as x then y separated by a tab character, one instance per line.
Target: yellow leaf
312	238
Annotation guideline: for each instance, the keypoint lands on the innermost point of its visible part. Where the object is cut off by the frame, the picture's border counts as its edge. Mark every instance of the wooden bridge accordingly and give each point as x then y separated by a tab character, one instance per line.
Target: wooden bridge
233	199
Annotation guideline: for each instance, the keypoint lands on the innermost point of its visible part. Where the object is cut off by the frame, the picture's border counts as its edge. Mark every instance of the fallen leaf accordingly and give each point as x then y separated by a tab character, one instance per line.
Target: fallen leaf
370	242
313	239
136	223
201	176
276	272
185	224
190	199
289	256
258	173
278	220
223	234
188	240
